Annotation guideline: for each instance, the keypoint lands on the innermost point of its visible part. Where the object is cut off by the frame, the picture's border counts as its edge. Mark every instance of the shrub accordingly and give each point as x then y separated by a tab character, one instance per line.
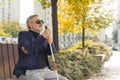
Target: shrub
77	64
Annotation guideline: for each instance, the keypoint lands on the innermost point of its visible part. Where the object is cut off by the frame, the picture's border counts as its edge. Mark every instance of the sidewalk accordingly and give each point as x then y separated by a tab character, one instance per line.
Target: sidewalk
111	69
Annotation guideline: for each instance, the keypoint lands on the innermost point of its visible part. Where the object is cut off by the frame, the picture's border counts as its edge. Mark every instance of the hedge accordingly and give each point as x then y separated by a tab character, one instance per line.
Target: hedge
76	63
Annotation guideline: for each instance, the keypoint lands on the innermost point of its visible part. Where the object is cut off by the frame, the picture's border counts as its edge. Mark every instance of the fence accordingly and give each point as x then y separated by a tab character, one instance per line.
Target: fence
68	40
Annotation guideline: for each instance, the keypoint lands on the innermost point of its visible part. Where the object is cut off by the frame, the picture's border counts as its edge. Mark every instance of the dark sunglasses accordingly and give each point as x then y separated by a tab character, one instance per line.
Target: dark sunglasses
39	21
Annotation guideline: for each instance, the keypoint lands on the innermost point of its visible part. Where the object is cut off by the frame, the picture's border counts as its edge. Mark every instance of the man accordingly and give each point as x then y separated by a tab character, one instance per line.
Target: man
33	50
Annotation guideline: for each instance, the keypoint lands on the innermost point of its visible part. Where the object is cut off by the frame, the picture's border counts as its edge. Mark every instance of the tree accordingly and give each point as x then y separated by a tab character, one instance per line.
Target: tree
10	28
2	33
53	3
115	36
83	16
55	23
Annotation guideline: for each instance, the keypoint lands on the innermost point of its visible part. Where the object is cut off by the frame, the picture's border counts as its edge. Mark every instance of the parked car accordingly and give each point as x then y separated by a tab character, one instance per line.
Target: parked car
114	48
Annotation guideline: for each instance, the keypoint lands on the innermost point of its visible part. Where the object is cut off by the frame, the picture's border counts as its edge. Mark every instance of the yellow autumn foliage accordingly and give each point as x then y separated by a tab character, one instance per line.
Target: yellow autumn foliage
2	33
70	15
73	15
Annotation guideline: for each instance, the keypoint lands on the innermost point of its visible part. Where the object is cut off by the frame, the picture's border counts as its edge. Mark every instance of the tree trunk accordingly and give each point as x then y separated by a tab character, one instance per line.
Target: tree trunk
55	23
83	37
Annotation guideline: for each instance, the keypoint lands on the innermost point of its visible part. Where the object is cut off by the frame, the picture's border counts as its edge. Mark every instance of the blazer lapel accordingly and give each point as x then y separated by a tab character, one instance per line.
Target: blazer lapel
31	37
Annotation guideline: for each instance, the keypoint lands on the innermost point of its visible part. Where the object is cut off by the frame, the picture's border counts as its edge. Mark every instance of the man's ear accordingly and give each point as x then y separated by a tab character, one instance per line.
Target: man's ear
30	25
24	50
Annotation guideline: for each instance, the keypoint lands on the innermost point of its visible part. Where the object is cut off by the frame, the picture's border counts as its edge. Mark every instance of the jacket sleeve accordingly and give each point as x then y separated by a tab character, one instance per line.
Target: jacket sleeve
48	49
30	46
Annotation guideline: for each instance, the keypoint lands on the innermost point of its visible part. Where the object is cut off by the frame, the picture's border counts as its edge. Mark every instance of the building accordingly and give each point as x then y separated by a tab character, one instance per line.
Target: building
44	14
118	24
9	10
15	10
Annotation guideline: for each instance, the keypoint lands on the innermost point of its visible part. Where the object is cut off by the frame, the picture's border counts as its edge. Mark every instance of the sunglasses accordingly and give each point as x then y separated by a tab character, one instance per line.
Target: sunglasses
39	21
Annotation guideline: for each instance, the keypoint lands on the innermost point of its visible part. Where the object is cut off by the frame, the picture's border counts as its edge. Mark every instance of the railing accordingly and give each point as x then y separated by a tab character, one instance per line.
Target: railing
68	40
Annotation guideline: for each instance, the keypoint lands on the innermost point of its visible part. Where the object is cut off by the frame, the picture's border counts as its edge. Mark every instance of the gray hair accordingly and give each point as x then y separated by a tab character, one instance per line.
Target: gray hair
29	20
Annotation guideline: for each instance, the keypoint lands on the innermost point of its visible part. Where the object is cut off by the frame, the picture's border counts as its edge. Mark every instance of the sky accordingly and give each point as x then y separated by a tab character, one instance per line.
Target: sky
26	9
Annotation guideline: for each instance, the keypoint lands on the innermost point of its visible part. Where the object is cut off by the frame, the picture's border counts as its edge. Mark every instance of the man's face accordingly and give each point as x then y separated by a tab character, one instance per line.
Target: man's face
36	25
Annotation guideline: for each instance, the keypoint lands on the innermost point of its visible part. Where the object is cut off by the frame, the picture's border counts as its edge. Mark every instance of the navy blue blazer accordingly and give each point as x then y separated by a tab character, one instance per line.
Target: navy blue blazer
32	45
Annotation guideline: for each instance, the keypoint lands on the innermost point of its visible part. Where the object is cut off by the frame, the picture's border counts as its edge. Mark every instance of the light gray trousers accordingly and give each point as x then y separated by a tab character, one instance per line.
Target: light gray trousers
41	74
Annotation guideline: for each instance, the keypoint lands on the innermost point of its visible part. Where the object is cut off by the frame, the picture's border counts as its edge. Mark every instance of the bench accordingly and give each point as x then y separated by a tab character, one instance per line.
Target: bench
92	50
8	59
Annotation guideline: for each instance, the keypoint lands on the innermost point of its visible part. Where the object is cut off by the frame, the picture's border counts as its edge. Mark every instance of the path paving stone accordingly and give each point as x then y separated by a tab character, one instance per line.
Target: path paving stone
110	70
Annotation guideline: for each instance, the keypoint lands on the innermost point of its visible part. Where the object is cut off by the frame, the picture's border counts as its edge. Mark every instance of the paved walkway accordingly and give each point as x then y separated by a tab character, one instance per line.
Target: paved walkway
111	69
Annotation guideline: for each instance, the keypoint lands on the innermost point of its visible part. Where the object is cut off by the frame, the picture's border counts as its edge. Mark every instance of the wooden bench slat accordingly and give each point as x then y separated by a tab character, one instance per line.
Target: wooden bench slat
11	58
1	64
8	60
15	49
5	61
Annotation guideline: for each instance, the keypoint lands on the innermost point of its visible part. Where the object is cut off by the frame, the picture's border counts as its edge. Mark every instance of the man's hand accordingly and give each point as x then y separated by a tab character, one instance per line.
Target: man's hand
47	35
24	50
50	40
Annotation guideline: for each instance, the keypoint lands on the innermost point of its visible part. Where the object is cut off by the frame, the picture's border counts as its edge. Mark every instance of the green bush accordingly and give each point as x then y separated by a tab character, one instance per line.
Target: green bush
77	64
97	47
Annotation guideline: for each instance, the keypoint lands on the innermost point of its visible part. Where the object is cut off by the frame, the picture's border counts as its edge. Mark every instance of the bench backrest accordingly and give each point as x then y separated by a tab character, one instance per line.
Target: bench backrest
8	59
